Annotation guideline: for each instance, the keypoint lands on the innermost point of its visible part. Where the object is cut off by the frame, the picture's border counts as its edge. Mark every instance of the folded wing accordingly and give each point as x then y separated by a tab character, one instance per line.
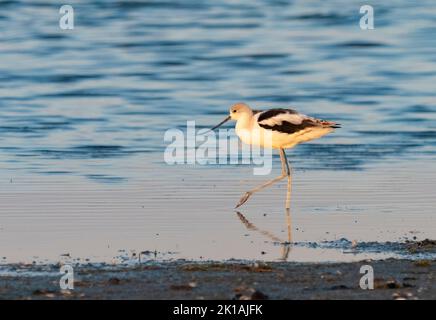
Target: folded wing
290	121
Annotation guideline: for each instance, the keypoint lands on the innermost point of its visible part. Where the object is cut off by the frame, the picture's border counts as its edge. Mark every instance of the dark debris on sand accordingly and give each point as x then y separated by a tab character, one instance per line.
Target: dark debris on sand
426	245
394	279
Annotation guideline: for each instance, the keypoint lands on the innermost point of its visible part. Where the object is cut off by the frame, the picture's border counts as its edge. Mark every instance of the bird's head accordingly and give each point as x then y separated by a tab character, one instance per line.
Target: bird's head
236	112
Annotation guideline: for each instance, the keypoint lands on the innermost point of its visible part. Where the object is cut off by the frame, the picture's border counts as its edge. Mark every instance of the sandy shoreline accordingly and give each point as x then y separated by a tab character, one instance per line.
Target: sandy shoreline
394	279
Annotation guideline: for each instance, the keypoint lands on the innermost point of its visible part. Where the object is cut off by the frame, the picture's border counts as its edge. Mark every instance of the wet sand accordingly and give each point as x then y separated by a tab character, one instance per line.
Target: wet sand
189	213
394	279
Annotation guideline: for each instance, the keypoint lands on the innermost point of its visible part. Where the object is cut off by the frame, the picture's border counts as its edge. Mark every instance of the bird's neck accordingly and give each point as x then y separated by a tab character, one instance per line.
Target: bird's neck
244	122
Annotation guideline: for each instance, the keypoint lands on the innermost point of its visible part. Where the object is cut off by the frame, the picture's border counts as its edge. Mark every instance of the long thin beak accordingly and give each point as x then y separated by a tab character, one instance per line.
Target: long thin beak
221	123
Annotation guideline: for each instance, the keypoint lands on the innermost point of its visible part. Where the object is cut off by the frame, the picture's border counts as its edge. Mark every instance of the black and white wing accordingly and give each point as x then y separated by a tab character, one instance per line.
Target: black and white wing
290	121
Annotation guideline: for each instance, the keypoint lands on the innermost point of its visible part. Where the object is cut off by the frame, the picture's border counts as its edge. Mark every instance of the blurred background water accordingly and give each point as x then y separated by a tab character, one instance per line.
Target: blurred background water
83	114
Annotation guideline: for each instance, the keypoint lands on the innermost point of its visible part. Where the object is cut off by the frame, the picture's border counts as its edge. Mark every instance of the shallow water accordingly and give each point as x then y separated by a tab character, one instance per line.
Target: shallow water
83	115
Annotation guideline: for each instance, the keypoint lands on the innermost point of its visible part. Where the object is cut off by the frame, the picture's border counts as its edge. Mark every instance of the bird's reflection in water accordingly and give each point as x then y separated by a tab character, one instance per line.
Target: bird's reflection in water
284	244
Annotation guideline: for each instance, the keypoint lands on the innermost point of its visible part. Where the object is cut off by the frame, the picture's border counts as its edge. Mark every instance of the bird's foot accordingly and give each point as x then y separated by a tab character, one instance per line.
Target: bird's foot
243	199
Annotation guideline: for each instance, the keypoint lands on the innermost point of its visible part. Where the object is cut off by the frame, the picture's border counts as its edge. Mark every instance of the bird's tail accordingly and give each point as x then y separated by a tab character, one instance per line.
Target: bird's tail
330	124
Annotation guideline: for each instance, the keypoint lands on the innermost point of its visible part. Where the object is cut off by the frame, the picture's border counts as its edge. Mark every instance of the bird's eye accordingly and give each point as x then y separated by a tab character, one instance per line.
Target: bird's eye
234	111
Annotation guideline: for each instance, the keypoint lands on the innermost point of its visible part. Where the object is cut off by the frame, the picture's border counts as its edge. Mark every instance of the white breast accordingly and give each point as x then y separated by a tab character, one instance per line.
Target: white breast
255	136
244	135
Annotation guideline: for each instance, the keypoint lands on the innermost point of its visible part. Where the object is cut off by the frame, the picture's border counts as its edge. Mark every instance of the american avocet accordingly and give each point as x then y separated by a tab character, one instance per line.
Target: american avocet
278	129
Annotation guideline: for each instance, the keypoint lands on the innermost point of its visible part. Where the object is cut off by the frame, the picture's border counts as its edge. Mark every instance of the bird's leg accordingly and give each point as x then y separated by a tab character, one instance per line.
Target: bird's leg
289	225
285	172
283	161
286	246
288	173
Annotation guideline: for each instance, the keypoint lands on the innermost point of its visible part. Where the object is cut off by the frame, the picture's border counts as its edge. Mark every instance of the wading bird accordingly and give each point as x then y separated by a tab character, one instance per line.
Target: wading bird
277	129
